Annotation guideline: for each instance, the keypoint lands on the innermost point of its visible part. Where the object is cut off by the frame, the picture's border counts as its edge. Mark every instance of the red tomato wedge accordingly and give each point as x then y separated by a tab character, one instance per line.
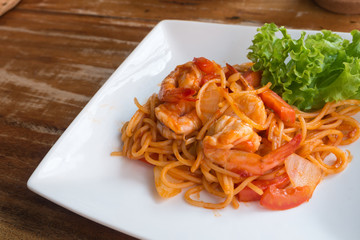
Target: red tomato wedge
248	195
207	78
280	107
205	65
271	99
253	78
282	199
304	177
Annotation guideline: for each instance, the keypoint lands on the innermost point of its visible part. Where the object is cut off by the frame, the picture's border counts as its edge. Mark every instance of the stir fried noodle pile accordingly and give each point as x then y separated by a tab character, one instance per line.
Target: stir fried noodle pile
214	129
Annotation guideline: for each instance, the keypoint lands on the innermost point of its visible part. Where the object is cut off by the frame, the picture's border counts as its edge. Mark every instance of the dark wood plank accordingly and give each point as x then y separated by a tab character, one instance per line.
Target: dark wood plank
56	63
50	67
304	14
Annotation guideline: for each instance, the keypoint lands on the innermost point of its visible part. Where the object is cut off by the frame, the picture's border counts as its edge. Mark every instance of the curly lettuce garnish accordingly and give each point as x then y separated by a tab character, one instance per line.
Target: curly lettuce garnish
309	71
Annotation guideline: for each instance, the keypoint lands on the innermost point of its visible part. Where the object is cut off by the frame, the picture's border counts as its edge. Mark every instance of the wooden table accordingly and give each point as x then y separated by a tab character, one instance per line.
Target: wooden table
54	56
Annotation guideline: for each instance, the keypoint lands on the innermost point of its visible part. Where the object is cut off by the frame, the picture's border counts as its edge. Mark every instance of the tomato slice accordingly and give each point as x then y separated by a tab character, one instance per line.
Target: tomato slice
281	108
253	78
248	195
205	65
282	199
207	78
271	99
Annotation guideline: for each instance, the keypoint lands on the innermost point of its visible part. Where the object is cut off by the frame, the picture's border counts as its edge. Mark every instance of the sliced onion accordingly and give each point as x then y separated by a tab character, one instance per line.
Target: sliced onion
302	172
209	98
163	190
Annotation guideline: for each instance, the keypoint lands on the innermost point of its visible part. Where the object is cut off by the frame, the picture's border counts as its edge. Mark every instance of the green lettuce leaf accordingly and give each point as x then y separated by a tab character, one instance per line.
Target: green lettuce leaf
309	71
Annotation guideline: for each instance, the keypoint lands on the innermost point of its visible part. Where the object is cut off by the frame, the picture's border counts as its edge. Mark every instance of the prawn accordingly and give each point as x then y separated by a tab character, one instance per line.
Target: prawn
223	149
252	106
179	117
232	133
167	132
181	84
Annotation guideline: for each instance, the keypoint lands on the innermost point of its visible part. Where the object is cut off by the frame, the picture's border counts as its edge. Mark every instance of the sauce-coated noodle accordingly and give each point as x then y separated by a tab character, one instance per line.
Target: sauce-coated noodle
182	163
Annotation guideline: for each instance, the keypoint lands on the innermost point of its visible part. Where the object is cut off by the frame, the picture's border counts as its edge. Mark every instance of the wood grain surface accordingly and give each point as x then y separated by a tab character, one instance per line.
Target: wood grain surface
55	55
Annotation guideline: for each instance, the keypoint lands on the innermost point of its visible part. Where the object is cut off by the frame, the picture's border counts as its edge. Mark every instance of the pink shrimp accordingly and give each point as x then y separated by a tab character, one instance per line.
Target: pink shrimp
222	148
231	132
252	106
181	84
179	117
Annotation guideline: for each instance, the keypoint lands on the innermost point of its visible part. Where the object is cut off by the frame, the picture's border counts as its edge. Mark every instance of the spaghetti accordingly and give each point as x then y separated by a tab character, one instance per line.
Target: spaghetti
190	134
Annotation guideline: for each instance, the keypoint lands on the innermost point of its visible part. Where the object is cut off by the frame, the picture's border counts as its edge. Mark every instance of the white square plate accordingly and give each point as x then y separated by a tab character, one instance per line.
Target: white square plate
79	174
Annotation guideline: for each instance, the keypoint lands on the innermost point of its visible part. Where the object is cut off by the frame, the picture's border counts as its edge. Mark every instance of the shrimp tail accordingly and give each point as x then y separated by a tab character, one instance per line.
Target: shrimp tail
177	94
279	155
249	164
